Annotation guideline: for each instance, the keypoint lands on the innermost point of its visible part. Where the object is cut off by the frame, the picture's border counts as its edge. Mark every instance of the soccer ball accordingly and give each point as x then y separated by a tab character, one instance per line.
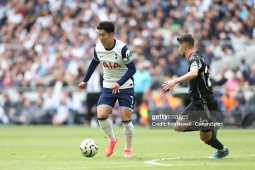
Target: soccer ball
88	148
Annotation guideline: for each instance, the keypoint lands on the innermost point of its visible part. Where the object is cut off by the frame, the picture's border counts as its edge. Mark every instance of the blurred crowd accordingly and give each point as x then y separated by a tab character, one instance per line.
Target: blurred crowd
48	44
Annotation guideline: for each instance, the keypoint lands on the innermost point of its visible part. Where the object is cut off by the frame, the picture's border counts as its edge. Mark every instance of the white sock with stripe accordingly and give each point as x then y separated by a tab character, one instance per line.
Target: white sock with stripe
128	133
106	125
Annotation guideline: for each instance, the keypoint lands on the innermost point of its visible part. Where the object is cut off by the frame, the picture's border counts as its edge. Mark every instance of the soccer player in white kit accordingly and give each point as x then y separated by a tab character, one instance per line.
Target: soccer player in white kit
118	84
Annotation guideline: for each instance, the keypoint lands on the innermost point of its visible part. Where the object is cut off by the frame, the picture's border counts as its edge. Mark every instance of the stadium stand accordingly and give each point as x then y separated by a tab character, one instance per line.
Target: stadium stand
42	39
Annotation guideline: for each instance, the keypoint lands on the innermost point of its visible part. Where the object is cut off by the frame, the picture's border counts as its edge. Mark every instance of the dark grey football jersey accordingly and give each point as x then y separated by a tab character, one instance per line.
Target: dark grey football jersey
200	87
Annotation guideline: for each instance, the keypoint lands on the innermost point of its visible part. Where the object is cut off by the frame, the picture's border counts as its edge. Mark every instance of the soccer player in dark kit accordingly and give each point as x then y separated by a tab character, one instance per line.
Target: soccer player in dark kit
201	112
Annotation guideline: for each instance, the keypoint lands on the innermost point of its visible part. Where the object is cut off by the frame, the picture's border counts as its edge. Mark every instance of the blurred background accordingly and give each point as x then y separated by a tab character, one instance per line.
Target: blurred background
47	45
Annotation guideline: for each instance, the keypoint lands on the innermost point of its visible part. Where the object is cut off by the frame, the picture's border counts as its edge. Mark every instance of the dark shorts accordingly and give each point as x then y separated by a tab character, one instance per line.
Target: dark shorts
203	116
126	98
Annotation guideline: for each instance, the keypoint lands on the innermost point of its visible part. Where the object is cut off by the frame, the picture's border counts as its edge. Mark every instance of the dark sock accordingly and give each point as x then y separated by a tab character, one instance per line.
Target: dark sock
215	143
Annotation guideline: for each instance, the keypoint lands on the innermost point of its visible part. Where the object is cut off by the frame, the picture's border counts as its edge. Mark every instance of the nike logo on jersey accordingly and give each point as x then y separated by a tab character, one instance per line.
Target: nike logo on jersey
101	56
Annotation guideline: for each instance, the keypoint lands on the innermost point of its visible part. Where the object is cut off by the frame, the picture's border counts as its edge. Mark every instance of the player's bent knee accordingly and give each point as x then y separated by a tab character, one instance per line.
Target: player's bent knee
205	136
102	115
126	114
125	117
103	112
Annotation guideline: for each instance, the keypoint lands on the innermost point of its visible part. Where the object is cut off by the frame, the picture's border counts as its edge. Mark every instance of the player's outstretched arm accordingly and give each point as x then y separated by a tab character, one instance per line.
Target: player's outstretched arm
188	76
92	66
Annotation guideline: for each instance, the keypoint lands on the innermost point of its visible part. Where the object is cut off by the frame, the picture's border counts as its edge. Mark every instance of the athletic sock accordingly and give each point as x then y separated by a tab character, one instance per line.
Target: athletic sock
215	143
128	133
106	125
224	149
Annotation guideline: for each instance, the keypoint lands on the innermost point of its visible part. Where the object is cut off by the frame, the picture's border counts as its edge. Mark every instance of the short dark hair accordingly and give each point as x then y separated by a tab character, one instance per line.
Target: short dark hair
107	26
186	38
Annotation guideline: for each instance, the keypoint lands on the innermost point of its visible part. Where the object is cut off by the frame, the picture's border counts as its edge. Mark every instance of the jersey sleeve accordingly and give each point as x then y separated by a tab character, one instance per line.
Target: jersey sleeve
194	61
126	55
93	65
95	55
130	72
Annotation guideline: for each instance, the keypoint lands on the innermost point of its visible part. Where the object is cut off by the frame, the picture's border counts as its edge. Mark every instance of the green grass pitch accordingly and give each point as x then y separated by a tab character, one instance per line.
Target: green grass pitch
57	148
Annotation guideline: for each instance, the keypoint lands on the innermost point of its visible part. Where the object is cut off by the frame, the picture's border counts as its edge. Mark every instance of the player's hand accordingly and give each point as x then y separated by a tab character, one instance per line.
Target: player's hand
115	88
169	85
82	85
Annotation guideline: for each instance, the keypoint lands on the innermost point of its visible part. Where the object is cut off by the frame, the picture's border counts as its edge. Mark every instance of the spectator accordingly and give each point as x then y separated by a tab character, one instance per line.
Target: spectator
40	39
62	113
208	56
3	116
15	113
142	81
222	107
252	75
228	98
38	115
7	105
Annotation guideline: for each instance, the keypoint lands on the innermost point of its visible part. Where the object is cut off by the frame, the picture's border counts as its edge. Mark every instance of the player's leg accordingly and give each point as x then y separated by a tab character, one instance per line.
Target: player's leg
185	122
106	125
182	125
210	139
102	116
104	108
126	101
208	134
128	130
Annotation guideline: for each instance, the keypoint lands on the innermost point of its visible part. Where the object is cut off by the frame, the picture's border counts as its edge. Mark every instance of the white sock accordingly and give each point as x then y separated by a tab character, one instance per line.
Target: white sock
128	134
224	149
107	128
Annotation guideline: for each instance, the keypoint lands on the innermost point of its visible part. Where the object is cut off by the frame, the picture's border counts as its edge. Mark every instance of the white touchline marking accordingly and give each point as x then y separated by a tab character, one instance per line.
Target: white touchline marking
155	162
110	167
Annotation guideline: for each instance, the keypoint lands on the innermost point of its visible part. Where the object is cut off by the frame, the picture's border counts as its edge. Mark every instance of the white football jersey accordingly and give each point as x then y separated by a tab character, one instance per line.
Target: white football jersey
114	63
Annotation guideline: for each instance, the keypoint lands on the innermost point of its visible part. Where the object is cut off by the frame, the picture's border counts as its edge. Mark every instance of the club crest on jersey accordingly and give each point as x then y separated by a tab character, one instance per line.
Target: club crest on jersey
116	55
111	65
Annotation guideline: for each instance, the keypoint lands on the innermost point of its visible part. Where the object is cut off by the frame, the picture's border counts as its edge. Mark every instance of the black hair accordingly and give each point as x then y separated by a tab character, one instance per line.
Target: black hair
186	38
107	26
